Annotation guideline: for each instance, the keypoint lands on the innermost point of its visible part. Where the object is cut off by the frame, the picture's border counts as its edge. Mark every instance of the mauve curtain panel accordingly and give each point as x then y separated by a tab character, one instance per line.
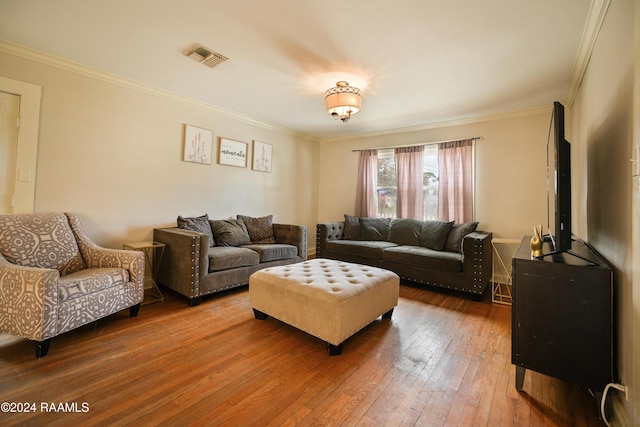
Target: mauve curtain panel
410	182
366	190
455	165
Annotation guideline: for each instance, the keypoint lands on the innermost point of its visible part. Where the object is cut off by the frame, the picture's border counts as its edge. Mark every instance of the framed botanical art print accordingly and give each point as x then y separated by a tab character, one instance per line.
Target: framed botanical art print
197	145
261	156
232	153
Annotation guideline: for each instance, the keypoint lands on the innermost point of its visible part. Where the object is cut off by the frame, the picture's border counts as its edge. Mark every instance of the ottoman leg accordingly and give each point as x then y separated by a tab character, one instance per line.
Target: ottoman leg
334	350
388	314
259	315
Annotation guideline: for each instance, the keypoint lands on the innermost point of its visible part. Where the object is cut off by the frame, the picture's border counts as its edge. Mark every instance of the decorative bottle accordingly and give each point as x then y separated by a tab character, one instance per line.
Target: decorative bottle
536	242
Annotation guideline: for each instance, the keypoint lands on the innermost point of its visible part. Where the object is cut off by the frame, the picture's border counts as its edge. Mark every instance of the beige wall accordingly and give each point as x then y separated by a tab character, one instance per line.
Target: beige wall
633	409
111	152
511	195
602	127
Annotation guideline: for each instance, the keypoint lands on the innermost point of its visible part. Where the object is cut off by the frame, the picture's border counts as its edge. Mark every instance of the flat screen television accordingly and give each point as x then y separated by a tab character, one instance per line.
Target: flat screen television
559	183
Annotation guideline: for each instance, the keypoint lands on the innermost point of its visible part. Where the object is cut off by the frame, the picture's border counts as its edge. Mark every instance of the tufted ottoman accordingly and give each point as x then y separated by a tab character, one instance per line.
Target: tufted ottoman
331	300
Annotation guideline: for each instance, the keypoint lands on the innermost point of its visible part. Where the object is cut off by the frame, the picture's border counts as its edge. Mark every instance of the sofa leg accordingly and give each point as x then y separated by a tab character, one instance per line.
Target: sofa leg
195	301
134	309
42	348
334	350
259	315
388	314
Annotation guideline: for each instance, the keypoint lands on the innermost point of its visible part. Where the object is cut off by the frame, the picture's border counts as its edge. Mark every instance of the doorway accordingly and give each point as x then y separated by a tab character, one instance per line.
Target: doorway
9	116
18	158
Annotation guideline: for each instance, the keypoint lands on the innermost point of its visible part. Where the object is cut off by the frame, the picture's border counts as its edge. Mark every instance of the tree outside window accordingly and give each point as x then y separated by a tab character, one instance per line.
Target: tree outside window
387	183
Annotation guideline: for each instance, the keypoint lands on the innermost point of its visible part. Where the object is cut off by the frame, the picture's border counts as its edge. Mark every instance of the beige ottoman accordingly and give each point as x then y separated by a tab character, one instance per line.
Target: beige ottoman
331	300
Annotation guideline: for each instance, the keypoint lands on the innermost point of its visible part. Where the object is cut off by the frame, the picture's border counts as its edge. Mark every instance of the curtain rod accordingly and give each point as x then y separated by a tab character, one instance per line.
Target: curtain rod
417	145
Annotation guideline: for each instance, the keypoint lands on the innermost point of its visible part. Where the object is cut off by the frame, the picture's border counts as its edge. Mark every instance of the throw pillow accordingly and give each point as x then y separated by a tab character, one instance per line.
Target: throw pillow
260	229
230	232
375	228
434	234
405	231
199	224
351	228
458	231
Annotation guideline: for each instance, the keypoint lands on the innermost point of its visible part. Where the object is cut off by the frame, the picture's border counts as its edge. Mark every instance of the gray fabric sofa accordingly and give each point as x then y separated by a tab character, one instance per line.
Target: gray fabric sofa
444	254
205	256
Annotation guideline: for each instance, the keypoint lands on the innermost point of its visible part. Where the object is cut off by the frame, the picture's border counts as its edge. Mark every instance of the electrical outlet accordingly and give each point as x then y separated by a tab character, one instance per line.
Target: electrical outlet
24	175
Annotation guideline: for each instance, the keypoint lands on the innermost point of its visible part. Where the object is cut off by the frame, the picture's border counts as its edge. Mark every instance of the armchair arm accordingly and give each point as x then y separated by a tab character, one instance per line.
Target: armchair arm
296	235
98	257
32	290
477	257
185	260
327	231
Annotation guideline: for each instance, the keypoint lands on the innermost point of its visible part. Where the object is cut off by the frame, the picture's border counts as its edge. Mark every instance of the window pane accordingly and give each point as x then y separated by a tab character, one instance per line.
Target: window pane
387	184
430	182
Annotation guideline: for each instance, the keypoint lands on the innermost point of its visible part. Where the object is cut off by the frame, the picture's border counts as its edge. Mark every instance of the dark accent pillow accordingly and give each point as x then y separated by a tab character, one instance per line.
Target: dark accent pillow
375	228
230	232
434	234
405	231
457	233
260	229
351	228
199	224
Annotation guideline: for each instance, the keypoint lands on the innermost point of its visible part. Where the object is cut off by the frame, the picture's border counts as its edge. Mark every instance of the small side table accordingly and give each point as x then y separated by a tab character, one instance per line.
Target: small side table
501	280
153	252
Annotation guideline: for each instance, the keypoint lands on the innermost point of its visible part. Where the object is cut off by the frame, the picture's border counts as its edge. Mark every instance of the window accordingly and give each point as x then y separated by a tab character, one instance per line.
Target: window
430	182
387	183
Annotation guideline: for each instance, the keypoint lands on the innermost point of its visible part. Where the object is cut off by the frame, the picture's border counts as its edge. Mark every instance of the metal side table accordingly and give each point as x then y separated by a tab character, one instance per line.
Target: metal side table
153	252
501	280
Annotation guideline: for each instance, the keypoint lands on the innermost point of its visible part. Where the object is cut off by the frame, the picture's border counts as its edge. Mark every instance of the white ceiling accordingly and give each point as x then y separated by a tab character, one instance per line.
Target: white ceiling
417	62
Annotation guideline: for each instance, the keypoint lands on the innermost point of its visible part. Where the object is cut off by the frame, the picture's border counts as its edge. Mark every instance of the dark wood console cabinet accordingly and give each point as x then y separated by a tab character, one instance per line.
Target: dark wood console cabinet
562	316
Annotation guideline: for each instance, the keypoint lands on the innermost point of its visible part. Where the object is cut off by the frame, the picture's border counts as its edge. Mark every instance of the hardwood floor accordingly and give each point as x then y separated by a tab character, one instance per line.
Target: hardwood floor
441	360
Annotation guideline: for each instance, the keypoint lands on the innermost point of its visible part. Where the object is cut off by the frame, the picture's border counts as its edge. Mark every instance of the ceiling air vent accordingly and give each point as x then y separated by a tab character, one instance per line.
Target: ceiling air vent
205	56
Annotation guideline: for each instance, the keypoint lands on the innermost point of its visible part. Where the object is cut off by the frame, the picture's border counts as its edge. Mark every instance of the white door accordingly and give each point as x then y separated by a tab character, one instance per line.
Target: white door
9	113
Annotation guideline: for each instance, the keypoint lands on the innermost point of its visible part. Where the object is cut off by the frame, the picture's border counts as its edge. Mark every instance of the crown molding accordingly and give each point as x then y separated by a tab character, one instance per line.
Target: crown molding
83	70
595	18
456	122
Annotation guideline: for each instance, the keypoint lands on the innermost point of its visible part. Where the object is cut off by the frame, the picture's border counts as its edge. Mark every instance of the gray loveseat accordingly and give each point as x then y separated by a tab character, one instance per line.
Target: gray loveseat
444	254
205	256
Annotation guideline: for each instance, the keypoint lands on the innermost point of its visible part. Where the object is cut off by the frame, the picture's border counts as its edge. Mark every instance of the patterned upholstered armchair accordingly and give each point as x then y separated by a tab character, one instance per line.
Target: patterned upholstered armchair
54	279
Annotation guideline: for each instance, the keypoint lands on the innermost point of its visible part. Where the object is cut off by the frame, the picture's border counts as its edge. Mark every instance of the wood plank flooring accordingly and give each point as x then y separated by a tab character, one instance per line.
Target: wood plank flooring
442	360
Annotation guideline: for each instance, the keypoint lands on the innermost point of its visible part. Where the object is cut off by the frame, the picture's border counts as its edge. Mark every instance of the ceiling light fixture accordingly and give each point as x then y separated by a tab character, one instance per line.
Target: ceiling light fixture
342	101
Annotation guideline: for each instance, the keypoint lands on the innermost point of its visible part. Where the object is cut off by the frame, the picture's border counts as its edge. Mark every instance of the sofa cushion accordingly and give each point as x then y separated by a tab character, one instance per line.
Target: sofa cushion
405	231
274	251
225	257
199	224
457	233
434	234
375	228
364	249
260	229
424	258
90	280
40	240
230	232
351	228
